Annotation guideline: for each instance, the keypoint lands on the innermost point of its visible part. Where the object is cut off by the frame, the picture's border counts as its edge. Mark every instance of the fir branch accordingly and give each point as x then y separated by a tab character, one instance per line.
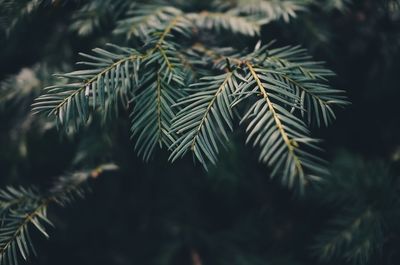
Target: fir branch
158	72
15	235
23	209
100	86
277	131
160	89
201	122
277	85
307	79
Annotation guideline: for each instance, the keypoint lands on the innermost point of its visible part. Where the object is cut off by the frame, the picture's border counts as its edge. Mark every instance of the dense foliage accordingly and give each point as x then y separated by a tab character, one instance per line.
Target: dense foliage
223	84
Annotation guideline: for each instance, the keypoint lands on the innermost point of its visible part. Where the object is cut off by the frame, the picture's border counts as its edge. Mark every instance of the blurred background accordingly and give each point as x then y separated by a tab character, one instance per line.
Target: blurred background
158	213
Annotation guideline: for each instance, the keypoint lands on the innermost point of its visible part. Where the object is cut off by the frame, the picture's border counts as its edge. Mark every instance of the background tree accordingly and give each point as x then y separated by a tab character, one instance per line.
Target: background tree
182	75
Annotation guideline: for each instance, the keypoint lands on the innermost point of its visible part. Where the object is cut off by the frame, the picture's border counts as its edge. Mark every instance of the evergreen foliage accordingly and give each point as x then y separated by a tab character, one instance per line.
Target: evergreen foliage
206	79
153	78
25	208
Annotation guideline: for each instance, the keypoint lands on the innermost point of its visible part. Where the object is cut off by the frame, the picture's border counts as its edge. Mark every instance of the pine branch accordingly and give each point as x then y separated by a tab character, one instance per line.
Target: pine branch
114	76
307	79
295	69
278	86
159	90
152	115
23	209
278	132
202	121
15	234
109	77
283	78
20	209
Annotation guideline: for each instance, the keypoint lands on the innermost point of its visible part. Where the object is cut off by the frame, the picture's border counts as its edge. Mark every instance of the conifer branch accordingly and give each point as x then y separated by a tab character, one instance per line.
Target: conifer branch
23	209
291	144
279	87
204	117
